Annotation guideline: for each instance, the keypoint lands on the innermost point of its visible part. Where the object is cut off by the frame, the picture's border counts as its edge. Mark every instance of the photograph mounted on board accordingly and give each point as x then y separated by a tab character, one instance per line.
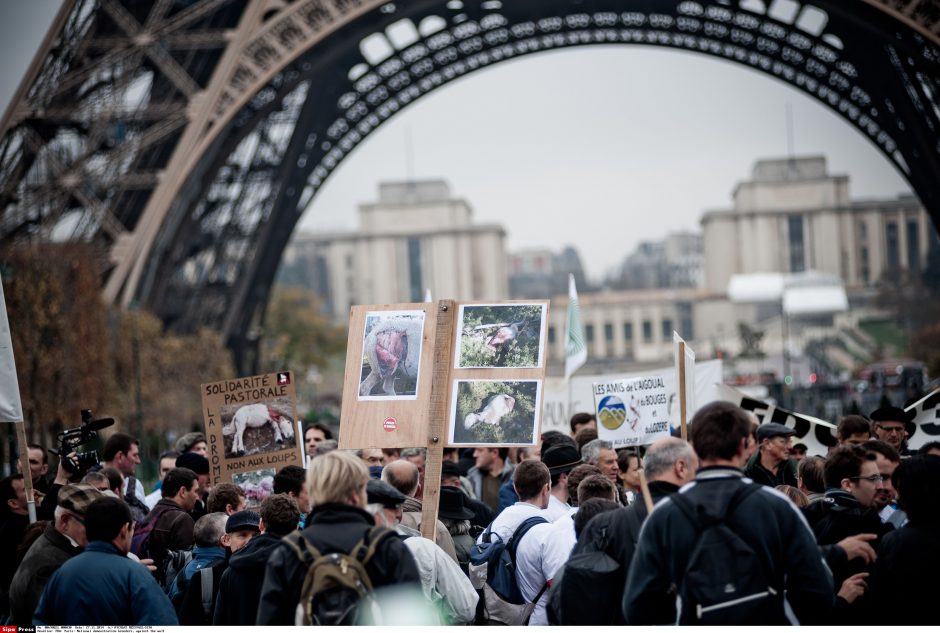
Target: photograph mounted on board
391	355
261	427
500	335
495	412
258	485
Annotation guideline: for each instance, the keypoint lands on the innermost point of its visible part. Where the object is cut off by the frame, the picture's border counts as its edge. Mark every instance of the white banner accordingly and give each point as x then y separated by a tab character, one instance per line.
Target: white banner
11	409
815	433
632	412
926	421
556	411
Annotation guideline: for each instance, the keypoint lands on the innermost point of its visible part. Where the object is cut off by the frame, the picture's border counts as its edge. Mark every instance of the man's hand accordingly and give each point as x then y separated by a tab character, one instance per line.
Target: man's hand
857	547
853	587
62	475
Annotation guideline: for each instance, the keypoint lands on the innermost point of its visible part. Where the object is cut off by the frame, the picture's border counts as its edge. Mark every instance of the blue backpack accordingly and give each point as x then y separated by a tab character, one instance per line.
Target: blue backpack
500	560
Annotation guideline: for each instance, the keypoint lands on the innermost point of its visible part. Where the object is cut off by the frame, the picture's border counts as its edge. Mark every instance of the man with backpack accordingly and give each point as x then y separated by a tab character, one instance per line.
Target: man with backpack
726	550
339	558
208	550
169	525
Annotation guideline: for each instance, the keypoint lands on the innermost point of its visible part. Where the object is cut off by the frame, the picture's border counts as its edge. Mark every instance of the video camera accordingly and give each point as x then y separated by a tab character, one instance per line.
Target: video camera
71	439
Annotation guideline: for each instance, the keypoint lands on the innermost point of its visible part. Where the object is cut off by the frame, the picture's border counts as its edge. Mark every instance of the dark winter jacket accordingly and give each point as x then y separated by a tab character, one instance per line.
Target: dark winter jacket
173	530
47	554
192	611
12	528
785	475
240	586
901	588
330	528
103	587
767	522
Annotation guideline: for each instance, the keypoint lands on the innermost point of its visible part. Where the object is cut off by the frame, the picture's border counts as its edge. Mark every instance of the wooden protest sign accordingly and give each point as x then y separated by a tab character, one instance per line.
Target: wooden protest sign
412	368
685	381
250	425
633	411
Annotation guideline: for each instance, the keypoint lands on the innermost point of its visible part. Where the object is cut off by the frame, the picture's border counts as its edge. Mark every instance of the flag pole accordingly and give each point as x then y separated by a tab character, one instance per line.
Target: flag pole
575	348
23	450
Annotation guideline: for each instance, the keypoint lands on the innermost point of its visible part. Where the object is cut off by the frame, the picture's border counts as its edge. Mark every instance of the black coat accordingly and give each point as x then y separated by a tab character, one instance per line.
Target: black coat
240	587
837	516
330	528
191	611
907	558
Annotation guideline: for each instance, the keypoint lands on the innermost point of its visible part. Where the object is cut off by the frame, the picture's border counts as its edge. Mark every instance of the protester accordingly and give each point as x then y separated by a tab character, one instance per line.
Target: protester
628	461
601	453
240	585
226	498
38	466
199	602
811	479
905	594
336	483
482	514
403	476
772	466
580	421
115	480
122	451
853	429
560	460
890	426
167	462
290	481
197	463
799	499
58	543
887	459
798	452
314	435
444	585
194	442
371	457
102	586
207	550
575	477
14	520
169	525
456	517
490	471
762	520
584	436
418	457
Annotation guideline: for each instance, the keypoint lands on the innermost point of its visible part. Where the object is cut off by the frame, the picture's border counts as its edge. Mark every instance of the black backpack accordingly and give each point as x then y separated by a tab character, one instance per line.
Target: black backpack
587	590
139	509
336	585
725	581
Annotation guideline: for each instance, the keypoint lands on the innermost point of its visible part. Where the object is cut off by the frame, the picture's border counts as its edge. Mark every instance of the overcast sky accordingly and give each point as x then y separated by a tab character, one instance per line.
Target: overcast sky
598	147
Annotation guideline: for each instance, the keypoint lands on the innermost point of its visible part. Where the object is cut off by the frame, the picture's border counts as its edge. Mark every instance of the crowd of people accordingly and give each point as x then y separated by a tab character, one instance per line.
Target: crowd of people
738	525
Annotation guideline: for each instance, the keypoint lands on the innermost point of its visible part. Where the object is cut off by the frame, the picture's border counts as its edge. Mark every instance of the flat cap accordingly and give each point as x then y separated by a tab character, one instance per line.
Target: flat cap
381	492
770	430
77	497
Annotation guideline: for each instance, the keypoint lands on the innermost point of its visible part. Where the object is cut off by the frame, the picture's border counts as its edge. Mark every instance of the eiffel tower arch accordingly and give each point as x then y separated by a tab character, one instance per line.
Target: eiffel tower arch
184	138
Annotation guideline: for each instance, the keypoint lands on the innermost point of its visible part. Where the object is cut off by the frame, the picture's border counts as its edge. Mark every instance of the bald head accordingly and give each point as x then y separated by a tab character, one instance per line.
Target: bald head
670	459
401	475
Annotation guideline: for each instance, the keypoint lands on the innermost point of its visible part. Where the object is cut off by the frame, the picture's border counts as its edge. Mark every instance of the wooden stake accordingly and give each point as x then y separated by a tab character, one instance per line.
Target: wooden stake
440	392
23	451
683	429
647	497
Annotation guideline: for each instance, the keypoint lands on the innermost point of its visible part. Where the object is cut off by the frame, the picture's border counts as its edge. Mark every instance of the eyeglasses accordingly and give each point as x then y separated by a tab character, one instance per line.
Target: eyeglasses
891	429
875	479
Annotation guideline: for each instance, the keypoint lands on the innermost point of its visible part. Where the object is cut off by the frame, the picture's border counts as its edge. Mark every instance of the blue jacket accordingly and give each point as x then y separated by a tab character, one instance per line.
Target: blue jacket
103	587
202	557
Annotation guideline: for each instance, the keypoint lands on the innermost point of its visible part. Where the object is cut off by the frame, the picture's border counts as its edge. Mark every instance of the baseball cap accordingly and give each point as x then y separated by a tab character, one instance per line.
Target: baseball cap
243	520
773	429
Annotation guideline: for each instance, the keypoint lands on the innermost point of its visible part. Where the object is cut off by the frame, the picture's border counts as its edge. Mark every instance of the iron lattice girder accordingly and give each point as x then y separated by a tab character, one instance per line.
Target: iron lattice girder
257	153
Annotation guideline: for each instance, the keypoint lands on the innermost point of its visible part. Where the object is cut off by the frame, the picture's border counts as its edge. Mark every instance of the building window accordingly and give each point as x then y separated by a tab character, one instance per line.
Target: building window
797	251
913	246
862	231
628	331
551	334
416	285
608	331
892	255
667	329
648	331
865	269
589	333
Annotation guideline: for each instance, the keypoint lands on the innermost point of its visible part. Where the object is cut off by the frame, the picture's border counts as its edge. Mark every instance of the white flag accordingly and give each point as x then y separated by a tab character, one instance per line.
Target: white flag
11	409
575	350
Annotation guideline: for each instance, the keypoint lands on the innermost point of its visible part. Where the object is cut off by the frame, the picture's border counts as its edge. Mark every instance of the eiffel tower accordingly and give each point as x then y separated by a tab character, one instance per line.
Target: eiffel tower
184	138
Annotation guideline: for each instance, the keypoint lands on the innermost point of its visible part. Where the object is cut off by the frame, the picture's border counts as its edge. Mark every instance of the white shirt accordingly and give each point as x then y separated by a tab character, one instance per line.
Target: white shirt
559	543
531	573
556	509
509	519
152	499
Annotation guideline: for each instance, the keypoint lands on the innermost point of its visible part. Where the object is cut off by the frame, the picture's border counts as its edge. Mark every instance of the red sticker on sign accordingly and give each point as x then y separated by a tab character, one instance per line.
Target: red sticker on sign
390	424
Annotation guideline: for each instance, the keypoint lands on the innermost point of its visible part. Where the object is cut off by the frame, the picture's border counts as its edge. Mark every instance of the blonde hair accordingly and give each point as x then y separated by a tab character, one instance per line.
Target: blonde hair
795	494
333	477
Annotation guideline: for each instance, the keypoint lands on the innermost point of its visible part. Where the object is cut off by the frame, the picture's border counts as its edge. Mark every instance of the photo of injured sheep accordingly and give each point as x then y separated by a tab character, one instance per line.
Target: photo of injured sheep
258	485
501	412
501	335
391	355
261	427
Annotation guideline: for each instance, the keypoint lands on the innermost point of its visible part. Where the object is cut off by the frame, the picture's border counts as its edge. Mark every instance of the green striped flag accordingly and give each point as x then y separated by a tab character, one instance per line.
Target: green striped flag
575	350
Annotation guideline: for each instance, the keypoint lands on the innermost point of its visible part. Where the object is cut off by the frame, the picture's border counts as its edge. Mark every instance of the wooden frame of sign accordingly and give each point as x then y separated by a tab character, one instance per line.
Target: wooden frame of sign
407	405
267	406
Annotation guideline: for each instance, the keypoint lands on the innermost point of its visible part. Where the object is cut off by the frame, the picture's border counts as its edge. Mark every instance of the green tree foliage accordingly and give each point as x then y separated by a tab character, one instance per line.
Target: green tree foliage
523	351
516	427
